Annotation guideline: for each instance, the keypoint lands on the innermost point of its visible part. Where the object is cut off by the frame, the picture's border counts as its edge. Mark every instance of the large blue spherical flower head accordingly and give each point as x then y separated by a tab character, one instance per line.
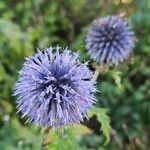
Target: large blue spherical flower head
110	40
55	89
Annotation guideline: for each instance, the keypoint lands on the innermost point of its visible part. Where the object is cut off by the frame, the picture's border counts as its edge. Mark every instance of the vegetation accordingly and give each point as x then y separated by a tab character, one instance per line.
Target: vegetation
124	92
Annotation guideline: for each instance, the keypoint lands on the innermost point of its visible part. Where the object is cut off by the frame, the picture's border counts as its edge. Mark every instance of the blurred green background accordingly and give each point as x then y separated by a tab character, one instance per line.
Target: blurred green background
125	91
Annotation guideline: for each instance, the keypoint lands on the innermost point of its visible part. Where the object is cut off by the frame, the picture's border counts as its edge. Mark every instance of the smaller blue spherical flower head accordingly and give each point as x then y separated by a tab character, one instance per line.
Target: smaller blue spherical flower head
110	40
55	89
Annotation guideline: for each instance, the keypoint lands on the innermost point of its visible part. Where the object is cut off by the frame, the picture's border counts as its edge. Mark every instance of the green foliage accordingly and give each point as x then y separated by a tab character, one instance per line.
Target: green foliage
64	139
14	136
103	118
124	91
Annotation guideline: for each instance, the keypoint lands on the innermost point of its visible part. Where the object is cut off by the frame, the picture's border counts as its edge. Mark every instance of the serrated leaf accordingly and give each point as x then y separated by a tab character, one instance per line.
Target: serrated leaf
117	77
104	119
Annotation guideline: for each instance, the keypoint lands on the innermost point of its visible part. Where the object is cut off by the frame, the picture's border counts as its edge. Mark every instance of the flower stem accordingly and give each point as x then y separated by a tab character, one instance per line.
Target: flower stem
96	74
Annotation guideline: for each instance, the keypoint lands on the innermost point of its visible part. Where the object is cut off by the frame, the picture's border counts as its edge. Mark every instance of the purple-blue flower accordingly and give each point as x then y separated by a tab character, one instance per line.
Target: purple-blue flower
55	89
110	40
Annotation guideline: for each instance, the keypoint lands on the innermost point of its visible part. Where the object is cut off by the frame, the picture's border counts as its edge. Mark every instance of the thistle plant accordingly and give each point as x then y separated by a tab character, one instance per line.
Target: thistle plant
110	40
55	88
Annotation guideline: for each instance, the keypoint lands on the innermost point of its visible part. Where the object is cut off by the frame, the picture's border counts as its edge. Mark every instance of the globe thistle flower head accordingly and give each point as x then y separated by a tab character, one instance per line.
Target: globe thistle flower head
110	40
55	89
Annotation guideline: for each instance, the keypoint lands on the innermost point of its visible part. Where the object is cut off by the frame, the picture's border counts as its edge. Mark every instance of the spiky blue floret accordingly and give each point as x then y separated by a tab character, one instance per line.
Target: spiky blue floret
110	40
55	89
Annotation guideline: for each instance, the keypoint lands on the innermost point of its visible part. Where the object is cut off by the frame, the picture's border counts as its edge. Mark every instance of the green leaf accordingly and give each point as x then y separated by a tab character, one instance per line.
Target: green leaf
104	119
117	77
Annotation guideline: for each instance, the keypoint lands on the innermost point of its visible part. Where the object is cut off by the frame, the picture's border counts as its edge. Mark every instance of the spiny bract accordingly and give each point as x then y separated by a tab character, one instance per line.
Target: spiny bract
55	89
110	40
